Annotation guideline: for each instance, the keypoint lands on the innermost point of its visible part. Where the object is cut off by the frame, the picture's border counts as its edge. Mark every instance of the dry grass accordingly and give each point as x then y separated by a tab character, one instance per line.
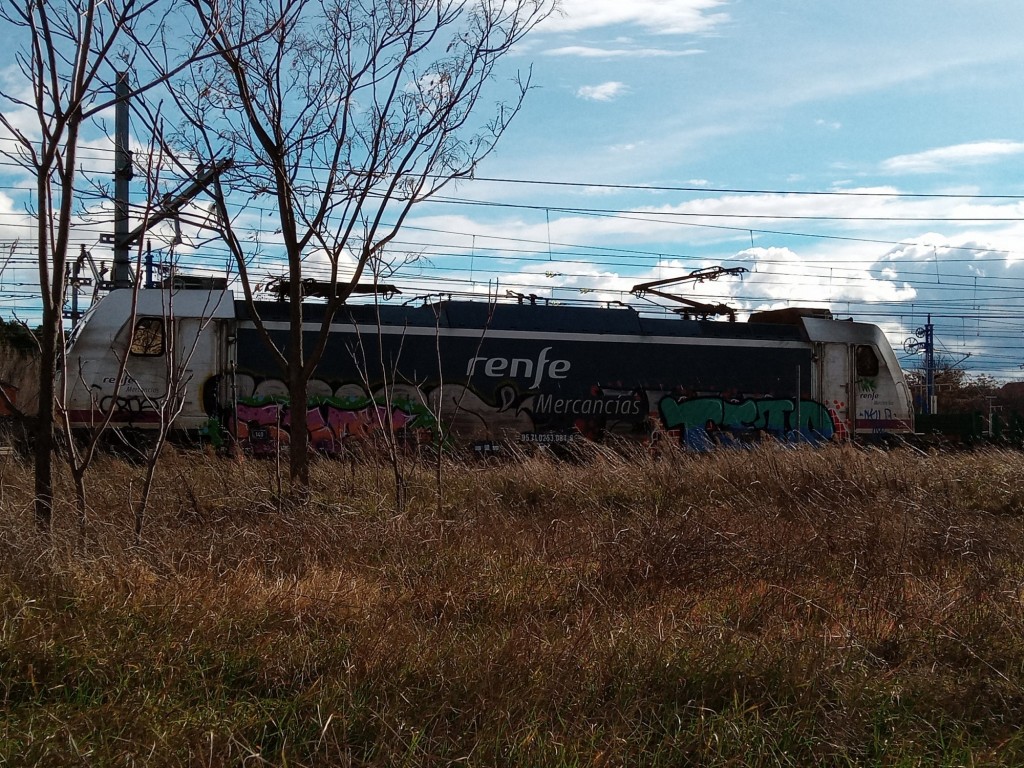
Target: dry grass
775	607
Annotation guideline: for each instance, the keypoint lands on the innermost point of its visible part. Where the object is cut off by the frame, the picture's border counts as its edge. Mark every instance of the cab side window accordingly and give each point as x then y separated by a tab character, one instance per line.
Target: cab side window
867	360
148	339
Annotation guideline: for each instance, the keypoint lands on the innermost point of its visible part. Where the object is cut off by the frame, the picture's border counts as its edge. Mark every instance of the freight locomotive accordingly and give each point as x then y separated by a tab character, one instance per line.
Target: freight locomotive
485	373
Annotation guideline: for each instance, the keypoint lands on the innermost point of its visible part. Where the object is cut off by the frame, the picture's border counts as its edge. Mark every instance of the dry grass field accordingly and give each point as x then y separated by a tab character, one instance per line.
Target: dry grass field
773	607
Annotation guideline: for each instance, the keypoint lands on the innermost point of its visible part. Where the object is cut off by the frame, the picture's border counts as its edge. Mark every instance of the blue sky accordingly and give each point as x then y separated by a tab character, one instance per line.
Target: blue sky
894	105
664	136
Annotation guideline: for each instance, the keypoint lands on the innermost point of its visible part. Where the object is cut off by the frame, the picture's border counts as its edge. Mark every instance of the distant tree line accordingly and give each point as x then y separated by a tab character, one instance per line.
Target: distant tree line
960	391
16	337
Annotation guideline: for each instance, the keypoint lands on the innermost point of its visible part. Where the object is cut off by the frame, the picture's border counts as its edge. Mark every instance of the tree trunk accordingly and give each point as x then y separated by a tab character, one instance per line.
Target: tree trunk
43	458
298	443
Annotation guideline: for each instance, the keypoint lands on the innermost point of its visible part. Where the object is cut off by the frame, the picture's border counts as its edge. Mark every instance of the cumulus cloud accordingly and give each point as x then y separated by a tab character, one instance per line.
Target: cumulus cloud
780	274
676	17
604	92
944	158
894	283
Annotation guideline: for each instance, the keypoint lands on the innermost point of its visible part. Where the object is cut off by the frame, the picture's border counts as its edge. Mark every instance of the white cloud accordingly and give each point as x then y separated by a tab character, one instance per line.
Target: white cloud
603	92
590	52
676	17
780	274
943	158
876	280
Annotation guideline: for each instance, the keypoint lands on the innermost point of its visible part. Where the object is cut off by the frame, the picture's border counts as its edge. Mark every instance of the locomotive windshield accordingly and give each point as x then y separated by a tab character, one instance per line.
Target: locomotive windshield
867	361
148	339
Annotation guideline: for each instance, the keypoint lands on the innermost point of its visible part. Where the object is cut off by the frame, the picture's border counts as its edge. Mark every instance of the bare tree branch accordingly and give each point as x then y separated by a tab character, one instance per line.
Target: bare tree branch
345	114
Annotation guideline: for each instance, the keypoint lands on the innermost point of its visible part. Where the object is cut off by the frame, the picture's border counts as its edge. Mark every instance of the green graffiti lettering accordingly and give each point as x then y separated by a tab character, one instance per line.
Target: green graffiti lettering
775	414
778	415
745	414
815	417
691	413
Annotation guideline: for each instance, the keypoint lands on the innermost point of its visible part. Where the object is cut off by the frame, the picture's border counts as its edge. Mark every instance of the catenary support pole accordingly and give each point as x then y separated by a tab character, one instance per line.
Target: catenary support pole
122	277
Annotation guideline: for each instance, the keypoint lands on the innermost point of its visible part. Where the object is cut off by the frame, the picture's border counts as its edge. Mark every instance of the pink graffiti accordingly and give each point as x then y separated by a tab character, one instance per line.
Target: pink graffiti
262	427
264	415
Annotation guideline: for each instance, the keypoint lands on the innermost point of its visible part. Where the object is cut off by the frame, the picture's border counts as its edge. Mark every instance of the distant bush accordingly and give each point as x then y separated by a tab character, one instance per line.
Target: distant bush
16	337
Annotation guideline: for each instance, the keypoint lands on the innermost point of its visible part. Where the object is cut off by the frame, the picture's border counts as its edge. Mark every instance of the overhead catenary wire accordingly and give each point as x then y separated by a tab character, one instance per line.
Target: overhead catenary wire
800	278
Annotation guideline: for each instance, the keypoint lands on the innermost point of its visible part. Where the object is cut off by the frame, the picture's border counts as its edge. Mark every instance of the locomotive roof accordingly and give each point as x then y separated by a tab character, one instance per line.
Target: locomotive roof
526	317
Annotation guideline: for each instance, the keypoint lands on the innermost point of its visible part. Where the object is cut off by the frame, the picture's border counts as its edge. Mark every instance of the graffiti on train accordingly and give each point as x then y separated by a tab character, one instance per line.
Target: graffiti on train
338	416
262	424
132	405
348	412
704	420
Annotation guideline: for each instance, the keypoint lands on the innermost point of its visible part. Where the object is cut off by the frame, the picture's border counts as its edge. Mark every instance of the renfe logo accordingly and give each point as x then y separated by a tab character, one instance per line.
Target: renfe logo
500	367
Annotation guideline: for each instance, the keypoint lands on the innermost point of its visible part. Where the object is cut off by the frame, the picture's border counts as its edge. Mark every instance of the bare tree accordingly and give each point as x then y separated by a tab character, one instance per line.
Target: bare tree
85	434
341	120
181	343
67	53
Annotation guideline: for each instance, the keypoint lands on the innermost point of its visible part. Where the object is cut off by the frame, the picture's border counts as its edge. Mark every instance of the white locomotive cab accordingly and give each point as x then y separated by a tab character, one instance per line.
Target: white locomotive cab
174	336
859	379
